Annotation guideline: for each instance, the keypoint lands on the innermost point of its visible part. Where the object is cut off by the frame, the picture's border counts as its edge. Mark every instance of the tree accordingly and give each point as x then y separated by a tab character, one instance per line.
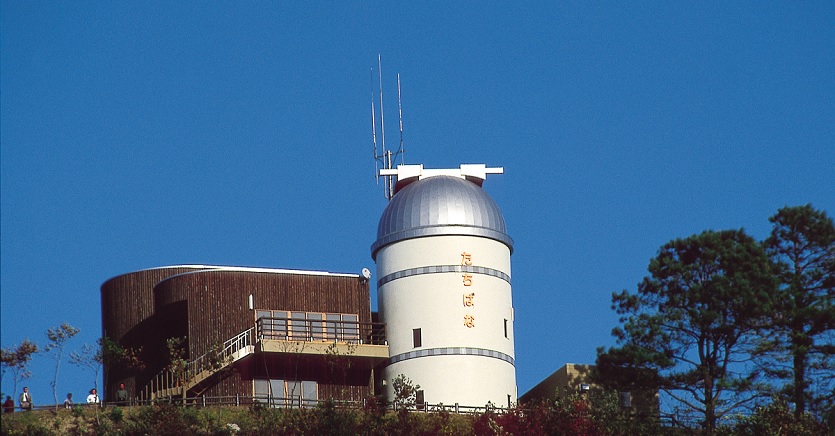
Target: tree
339	366
58	337
115	357
6	362
106	352
776	418
801	348
405	392
687	328
17	360
90	357
177	362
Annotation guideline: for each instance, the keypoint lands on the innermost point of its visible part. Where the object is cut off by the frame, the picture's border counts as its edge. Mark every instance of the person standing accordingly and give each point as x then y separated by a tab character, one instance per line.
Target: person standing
122	394
68	401
26	399
93	398
8	406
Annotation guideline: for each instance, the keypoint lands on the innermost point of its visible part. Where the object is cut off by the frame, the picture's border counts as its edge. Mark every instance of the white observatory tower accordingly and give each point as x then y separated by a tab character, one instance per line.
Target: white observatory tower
443	286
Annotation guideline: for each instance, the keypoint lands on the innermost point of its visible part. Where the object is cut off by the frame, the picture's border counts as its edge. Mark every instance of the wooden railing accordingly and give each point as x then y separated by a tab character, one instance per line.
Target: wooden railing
290	329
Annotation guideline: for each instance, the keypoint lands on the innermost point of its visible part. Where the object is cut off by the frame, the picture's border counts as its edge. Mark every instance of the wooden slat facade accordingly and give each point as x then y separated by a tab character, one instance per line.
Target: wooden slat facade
128	309
211	305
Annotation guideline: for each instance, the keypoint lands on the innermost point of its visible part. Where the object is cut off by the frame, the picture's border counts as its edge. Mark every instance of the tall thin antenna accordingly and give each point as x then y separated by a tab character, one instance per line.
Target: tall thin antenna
400	150
382	117
385	158
386	153
374	128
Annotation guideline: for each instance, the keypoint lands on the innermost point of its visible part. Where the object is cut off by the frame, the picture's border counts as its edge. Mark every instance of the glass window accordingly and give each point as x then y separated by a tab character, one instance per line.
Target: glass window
263	315
417	338
310	393
334	327
294	393
299	326
317	329
280	325
350	328
277	393
273	323
305	326
262	390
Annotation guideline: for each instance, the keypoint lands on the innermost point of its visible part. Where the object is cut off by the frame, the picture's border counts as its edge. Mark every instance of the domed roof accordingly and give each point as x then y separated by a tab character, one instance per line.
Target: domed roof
440	205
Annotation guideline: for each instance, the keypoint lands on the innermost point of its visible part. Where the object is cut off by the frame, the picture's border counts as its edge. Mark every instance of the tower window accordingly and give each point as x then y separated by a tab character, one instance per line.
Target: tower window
416	337
505	328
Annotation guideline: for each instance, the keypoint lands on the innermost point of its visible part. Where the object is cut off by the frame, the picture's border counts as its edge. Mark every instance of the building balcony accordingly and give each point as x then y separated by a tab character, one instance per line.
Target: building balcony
338	338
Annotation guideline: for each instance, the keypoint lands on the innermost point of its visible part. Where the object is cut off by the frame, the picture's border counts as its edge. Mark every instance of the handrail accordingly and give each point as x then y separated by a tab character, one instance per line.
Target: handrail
309	330
213	360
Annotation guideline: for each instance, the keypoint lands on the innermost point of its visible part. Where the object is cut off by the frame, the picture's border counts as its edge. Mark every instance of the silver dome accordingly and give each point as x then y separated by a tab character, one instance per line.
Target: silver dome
440	205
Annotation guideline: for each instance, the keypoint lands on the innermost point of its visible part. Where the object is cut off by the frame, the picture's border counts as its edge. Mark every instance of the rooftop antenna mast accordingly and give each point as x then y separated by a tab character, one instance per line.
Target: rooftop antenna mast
374	131
385	157
400	151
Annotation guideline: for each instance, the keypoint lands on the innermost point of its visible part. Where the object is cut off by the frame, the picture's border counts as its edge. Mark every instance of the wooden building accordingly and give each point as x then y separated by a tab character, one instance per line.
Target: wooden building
284	336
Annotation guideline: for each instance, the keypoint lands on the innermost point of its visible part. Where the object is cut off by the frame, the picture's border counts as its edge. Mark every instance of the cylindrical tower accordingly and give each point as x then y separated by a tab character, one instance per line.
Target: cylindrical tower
443	287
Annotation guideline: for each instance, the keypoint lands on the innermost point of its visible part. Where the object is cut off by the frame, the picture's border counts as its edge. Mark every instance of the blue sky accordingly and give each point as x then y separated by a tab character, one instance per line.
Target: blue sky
137	135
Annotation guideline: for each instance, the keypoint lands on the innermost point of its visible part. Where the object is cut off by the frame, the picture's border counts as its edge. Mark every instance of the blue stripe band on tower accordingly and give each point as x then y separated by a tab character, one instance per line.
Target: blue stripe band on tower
436	269
451	351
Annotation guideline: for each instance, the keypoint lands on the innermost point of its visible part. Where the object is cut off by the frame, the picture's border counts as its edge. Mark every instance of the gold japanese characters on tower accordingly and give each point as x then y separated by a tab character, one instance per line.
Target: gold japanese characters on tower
469	299
466	259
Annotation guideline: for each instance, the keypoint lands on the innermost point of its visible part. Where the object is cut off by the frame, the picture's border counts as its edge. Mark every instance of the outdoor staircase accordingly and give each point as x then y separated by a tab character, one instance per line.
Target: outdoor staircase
168	385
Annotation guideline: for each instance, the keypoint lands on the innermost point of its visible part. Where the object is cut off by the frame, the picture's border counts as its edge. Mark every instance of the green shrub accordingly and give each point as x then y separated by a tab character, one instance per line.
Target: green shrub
116	415
78	411
777	418
576	415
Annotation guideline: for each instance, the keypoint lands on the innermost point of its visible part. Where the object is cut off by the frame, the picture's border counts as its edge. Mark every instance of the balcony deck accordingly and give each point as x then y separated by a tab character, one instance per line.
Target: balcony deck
313	337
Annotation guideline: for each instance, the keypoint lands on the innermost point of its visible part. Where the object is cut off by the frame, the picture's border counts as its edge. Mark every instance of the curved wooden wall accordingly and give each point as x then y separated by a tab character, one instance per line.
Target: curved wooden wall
127	308
209	305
